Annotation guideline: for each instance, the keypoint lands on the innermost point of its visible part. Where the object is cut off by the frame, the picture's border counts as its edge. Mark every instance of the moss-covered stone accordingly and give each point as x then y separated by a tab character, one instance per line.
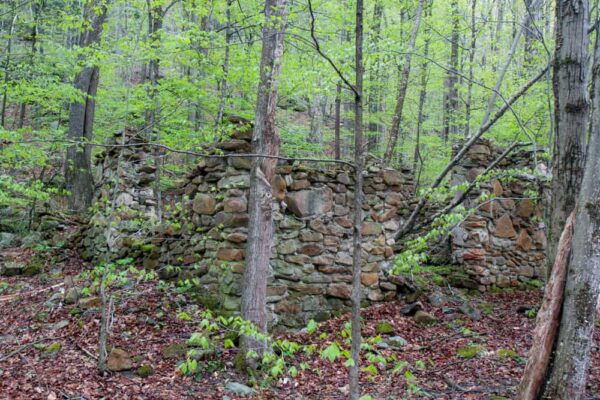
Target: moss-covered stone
384	328
469	351
508	353
33	268
175	350
208	300
144	371
424	318
53	348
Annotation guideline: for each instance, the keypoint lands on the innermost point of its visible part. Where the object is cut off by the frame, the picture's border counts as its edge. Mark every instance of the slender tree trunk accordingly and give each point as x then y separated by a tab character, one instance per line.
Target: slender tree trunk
156	15
422	100
35	11
357	204
265	140
450	83
224	82
78	174
315	107
375	97
7	64
497	35
530	34
468	104
402	88
570	113
571	359
337	120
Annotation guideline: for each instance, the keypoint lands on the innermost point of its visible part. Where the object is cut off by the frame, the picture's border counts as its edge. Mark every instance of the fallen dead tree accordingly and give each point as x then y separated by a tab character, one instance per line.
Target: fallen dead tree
548	319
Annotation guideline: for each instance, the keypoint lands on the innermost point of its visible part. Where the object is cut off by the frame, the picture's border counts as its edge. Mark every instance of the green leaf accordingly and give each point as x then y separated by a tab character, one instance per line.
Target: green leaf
331	353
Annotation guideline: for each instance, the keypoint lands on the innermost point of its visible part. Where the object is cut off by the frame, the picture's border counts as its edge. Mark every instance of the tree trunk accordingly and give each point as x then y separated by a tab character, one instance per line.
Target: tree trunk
337	120
78	174
375	98
35	11
497	35
156	15
402	88
468	104
357	204
530	34
315	108
265	140
548	317
570	113
571	360
224	82
422	99
7	64
450	83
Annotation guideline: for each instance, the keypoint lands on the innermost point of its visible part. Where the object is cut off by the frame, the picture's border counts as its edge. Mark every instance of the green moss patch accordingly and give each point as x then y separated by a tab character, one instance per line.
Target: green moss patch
470	351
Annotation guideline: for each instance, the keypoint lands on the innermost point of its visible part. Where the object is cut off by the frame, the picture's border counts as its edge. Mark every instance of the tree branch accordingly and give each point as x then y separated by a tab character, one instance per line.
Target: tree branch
408	226
178	151
464	194
325	56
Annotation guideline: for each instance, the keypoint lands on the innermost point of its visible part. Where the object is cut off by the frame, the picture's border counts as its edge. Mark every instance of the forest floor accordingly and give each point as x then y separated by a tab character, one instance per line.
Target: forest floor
48	348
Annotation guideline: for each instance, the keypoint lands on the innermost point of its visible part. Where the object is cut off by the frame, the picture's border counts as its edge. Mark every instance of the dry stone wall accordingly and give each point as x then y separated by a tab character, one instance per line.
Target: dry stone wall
503	242
124	198
312	254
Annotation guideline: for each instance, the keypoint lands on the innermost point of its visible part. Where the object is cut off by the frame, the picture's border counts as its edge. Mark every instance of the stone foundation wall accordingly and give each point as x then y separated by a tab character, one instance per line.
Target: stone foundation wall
312	255
503	243
204	239
125	177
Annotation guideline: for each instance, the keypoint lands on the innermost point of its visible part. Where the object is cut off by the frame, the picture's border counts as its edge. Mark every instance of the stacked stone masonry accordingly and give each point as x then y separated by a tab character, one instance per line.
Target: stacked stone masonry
311	264
126	180
501	244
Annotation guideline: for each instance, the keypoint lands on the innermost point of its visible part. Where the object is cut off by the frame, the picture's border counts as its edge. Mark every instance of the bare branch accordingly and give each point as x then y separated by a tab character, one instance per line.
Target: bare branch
178	151
408	226
325	56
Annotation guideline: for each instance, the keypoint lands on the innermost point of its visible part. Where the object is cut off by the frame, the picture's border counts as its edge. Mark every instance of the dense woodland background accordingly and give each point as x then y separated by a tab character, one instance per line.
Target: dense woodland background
208	61
333	81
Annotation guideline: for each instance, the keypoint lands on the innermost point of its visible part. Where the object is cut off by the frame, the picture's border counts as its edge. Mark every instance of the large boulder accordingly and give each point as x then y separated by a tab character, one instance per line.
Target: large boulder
307	203
119	360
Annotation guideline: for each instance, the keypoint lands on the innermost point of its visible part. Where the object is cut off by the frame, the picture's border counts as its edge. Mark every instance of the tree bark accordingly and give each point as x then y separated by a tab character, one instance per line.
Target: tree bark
402	88
337	121
265	140
7	64
547	321
78	175
422	99
35	11
224	80
571	360
530	34
450	83
357	205
468	105
375	97
315	108
570	114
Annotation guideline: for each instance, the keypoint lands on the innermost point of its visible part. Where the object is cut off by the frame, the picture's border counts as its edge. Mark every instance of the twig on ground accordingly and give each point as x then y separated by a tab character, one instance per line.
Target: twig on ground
23	347
28	293
86	352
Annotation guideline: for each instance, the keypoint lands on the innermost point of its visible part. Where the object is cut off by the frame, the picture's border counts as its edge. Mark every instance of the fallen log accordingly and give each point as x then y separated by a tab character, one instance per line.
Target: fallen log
548	319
